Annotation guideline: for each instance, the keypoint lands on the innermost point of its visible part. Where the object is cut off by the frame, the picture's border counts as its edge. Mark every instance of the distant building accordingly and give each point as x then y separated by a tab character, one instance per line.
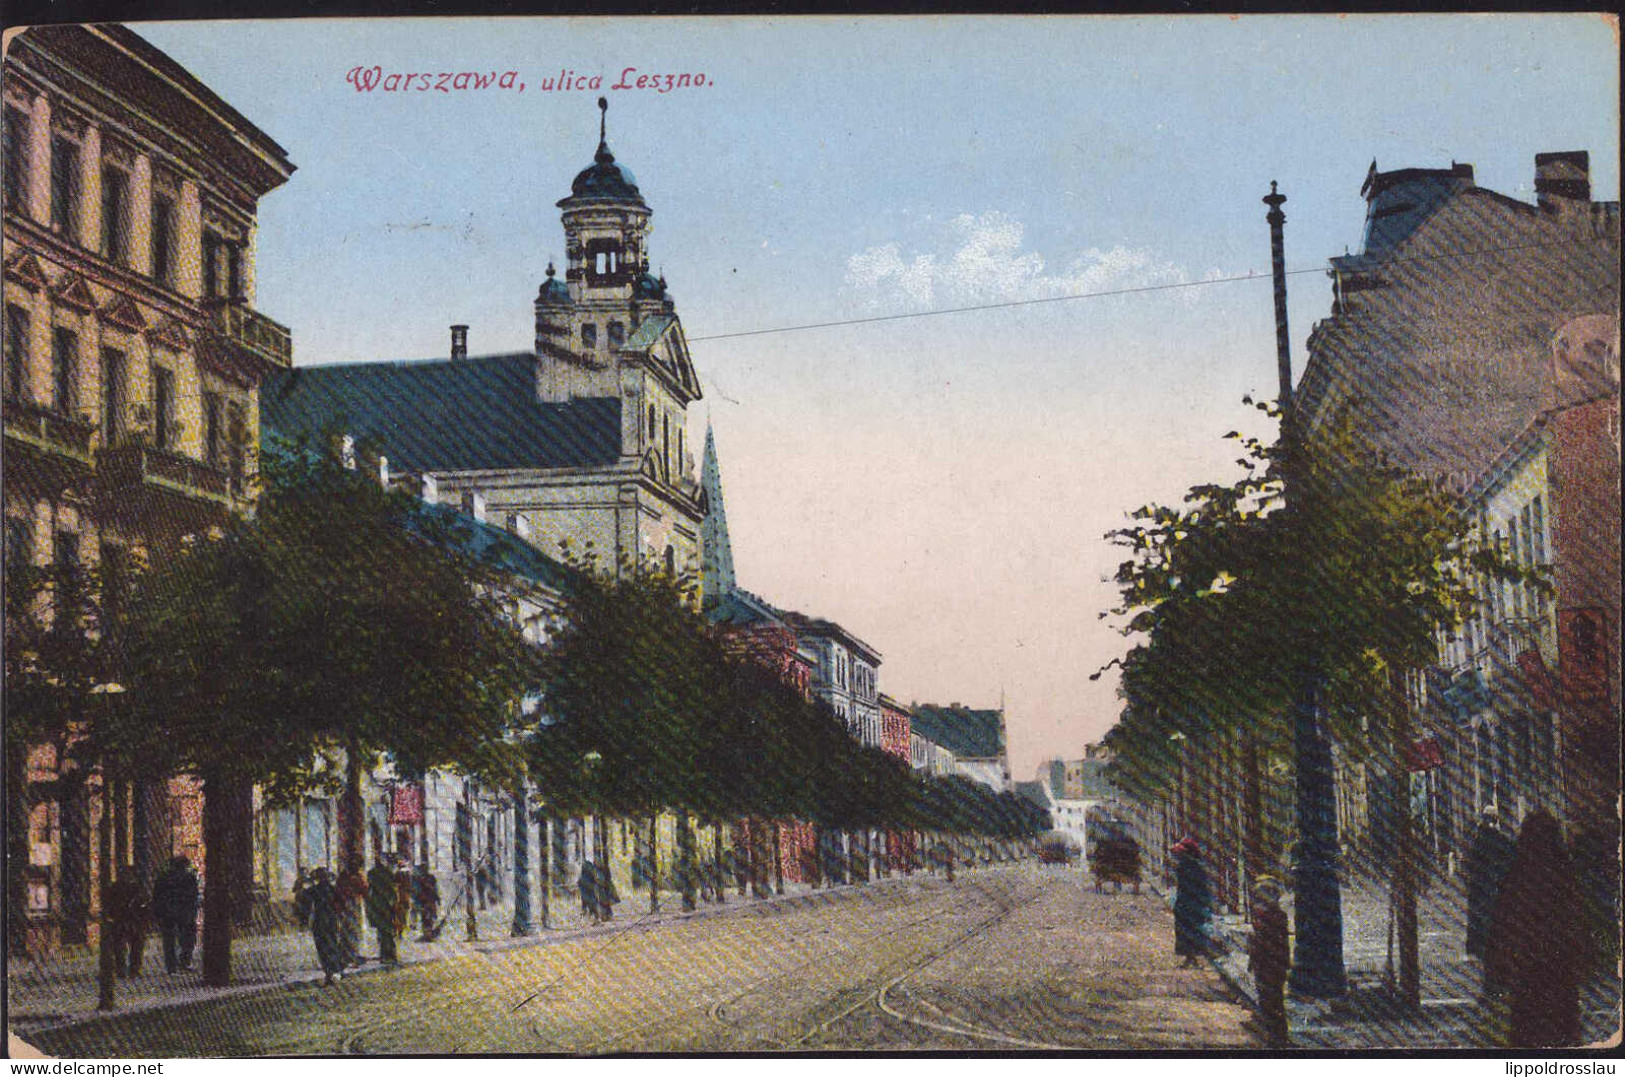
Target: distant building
975	737
895	728
847	675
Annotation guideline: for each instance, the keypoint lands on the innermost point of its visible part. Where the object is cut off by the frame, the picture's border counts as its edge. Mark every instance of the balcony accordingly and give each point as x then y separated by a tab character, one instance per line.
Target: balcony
131	475
268	341
48	435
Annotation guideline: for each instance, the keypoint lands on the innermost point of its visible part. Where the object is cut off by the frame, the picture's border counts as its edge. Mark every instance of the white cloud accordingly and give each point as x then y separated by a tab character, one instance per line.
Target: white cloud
979	259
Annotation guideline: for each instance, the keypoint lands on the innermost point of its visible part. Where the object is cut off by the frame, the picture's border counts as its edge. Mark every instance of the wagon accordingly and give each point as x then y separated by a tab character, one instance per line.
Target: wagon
1116	860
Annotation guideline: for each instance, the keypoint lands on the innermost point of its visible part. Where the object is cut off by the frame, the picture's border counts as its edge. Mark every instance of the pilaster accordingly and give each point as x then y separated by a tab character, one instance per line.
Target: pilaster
39	171
141	216
188	253
90	188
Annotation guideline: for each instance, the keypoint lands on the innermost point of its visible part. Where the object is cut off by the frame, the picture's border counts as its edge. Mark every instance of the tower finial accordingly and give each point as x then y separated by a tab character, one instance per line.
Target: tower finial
603	116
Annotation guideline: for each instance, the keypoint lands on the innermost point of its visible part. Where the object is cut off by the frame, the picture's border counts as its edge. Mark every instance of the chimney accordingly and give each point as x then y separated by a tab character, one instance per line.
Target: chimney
474	504
1564	176
431	489
459	342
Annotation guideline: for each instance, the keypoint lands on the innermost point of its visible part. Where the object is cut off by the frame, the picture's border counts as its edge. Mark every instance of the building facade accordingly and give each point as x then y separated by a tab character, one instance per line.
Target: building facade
580	446
133	361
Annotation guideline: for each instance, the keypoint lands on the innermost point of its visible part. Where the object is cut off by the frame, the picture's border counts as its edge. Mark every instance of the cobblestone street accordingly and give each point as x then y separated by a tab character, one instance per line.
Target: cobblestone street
1013	958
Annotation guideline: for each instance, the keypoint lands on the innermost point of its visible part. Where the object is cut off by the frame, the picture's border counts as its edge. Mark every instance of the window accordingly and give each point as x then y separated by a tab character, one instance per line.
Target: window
163	238
64	370
16	376
651	422
679	448
1537	522
16	151
115	216
1513	551
665	441
65	559
163	408
236	445
64	186
617	334
19	541
112	395
211	429
671	562
115	565
589	336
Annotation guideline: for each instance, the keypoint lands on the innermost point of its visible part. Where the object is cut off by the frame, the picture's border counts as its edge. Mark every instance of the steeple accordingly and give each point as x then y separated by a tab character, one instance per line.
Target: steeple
716	553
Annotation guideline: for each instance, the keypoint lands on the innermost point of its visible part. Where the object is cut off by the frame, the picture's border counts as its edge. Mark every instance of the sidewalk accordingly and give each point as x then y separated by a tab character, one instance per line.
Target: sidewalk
59	989
1368	1017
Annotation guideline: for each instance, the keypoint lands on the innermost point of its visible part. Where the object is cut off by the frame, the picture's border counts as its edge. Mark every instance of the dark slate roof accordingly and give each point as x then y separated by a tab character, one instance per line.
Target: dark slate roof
442	415
969	734
1398	203
501	550
739	607
604	181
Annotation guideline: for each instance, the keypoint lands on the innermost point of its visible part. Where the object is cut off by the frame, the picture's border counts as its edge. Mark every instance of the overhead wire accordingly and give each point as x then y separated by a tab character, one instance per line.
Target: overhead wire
1250	275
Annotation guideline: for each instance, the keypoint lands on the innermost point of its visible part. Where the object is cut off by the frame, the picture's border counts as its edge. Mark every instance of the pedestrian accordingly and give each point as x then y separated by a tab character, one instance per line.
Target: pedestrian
348	895
1191	906
587	885
948	860
426	892
1488	860
127	925
301	909
174	905
318	907
608	896
381	909
1268	958
403	900
1535	949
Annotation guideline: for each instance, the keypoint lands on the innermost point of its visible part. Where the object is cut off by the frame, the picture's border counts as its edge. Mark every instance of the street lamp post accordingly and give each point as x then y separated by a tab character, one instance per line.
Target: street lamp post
107	955
1317	956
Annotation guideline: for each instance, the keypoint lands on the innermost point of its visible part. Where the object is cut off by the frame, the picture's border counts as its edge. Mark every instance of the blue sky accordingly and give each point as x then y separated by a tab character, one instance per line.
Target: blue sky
938	485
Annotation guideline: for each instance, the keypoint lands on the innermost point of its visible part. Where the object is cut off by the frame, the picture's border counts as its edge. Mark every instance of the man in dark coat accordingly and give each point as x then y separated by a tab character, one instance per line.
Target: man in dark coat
1191	906
1487	863
426	896
318	909
1268	958
127	925
608	896
174	906
1535	949
381	909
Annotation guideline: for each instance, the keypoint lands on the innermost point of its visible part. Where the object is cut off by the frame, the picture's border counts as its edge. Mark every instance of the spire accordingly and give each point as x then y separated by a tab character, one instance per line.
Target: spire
716	553
603	155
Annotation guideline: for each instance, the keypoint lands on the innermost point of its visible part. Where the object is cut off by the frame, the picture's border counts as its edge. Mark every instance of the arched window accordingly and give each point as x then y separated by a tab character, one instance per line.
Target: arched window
589	336
651	422
617	334
671	562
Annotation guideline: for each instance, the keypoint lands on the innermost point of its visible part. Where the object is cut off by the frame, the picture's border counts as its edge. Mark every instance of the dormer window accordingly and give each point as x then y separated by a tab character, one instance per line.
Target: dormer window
589	337
617	334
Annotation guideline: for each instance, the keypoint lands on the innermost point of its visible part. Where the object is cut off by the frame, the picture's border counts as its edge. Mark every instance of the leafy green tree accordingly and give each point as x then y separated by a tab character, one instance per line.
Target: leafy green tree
1232	598
340	617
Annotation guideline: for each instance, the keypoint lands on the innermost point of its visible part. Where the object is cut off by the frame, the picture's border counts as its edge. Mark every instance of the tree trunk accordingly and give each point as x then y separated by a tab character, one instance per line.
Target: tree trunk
352	826
217	835
778	859
545	840
722	881
1404	837
521	865
654	863
1252	799
18	810
107	958
687	861
75	848
471	923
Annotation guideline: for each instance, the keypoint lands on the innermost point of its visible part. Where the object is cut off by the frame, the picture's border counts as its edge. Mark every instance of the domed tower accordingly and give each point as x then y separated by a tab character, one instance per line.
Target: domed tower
610	329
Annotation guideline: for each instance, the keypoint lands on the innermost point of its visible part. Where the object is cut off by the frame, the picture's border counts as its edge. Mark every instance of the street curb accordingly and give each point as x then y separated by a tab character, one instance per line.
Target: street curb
543	937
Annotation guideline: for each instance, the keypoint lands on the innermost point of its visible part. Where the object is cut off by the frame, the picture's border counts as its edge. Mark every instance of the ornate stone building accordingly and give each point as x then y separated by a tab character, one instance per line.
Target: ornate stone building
133	357
580	443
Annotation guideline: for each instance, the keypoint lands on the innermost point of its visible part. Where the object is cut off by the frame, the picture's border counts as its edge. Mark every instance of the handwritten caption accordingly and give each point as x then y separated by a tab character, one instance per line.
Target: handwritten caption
375	78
